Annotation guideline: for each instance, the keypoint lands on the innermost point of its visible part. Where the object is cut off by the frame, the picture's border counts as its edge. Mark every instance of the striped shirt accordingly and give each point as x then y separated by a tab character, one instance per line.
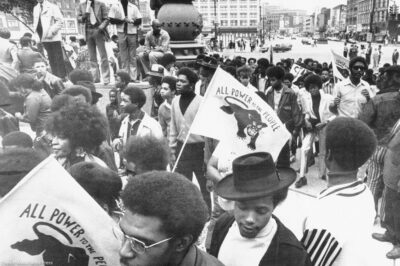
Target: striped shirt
337	231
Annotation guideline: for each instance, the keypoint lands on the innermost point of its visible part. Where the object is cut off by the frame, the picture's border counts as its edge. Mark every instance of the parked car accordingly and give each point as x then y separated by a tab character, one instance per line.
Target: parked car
282	48
306	41
352	41
264	48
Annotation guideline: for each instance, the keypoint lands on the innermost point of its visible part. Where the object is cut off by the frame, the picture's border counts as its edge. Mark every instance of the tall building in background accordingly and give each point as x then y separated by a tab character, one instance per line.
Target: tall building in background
234	18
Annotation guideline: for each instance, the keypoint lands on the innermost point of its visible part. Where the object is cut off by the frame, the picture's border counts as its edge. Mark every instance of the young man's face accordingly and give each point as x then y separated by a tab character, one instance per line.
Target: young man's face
126	103
147	229
183	85
165	91
313	89
275	83
119	83
287	82
40	68
244	78
357	70
112	96
325	76
61	147
253	215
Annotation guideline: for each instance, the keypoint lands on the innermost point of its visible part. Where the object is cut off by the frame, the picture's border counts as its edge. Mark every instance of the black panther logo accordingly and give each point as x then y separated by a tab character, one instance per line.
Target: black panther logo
246	119
53	251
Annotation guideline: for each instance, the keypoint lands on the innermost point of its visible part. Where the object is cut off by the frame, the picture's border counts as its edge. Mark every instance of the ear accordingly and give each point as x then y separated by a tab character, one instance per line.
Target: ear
183	243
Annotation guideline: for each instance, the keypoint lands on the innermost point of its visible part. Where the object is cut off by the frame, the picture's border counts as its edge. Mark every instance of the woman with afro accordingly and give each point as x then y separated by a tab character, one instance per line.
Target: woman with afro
317	115
77	130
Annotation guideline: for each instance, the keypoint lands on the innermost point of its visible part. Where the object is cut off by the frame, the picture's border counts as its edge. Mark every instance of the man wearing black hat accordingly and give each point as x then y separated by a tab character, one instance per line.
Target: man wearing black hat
208	66
252	235
380	114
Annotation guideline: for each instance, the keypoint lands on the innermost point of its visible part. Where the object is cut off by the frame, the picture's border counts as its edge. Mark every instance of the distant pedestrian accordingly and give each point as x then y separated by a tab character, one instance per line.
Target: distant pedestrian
375	57
368	54
345	50
395	57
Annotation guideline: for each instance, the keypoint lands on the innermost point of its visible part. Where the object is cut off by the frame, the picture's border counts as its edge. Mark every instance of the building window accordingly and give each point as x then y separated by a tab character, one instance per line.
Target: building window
233	15
224	23
224	15
234	23
253	22
243	15
253	15
243	23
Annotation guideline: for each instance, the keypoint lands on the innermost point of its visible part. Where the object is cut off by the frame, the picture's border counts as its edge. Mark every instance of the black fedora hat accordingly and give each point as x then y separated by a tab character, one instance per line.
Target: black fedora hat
209	62
254	176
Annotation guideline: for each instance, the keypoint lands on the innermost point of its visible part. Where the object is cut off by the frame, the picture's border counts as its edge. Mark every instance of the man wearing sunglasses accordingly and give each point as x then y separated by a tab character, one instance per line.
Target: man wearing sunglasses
352	93
165	214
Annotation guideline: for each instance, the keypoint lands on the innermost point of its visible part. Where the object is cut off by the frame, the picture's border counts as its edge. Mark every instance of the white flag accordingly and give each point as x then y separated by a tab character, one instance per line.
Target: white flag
49	219
231	112
340	64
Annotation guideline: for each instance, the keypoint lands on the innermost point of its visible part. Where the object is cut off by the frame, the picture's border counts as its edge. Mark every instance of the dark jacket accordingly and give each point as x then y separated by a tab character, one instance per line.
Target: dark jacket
288	110
197	257
53	85
381	113
284	250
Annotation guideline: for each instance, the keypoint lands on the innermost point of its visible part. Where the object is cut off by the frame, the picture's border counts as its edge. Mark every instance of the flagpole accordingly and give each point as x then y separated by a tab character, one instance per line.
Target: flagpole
190	129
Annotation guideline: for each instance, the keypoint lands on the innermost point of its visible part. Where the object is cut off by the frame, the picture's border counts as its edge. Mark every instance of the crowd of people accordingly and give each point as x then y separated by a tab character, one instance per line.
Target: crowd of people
137	157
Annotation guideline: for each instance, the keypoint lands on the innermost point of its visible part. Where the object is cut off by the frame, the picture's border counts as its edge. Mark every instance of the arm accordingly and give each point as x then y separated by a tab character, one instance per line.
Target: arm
212	170
58	86
368	113
82	17
173	132
32	108
105	20
164	47
297	115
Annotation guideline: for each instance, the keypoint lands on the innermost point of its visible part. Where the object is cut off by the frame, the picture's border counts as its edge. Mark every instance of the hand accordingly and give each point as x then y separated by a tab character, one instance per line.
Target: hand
127	20
365	93
308	124
210	186
336	101
115	114
18	115
117	144
320	126
172	160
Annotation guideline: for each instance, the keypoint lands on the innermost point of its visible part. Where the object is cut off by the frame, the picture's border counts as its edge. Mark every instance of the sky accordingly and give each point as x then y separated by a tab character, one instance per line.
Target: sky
308	5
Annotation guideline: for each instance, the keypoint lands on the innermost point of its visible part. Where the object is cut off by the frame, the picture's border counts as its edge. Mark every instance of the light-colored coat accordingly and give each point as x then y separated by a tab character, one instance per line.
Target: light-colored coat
148	126
100	11
117	12
51	20
324	112
180	124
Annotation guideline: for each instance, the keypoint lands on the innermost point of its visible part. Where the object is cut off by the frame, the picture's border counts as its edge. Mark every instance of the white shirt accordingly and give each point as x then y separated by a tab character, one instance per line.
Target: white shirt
277	98
261	83
351	99
343	217
239	251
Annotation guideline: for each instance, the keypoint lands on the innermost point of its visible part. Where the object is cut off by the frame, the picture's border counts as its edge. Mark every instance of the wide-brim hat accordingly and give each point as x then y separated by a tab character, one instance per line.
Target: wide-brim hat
208	61
156	71
255	176
87	84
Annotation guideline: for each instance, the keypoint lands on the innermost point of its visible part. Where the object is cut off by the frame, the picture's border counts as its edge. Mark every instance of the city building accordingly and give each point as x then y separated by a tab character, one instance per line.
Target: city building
233	19
282	20
337	22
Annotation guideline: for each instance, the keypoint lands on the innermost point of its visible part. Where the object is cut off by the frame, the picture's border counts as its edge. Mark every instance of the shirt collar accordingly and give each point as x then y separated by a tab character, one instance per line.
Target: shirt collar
348	189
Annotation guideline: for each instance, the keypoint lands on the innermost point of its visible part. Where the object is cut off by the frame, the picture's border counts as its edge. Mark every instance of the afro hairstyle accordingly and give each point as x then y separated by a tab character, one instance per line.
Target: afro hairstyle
190	75
124	76
82	124
350	141
172	198
15	163
80	75
101	183
76	90
358	59
276	72
171	81
167	59
231	70
61	100
263	62
17	139
24	80
288	76
148	153
136	95
312	79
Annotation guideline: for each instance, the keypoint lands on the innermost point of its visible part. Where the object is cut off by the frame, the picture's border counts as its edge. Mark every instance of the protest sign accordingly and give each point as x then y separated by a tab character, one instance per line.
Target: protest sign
49	219
340	66
297	71
233	113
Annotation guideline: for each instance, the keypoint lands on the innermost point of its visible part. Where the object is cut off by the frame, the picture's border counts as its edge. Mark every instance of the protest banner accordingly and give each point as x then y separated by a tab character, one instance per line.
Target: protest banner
340	66
298	71
49	219
233	113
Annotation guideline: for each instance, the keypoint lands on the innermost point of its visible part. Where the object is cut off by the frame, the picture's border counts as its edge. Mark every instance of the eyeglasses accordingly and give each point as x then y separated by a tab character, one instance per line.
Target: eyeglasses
359	68
136	245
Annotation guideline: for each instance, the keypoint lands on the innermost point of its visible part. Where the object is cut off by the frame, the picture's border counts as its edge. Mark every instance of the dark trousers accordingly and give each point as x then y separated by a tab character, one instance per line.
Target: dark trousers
55	55
392	214
192	161
96	38
284	156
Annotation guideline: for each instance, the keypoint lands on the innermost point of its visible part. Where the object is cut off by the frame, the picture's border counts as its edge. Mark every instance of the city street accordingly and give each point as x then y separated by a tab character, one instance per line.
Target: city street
322	52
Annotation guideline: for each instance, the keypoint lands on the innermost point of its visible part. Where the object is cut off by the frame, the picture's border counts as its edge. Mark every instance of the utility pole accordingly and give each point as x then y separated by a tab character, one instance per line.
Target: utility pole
371	18
215	23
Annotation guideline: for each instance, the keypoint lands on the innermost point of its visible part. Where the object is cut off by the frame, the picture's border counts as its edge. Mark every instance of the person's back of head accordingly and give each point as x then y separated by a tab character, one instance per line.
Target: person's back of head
17	139
5	33
146	153
25	41
79	91
349	143
15	163
77	75
60	101
101	183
